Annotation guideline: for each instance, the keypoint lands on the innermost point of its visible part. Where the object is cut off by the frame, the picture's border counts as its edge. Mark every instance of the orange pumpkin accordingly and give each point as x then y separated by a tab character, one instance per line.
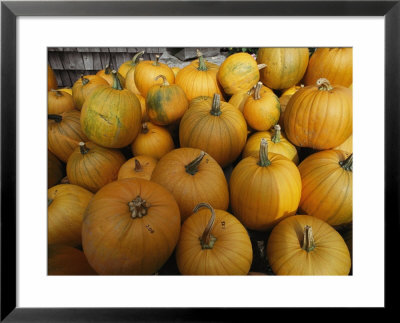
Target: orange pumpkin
130	73
284	99
131	227
165	103
66	205
107	75
84	86
334	64
238	100
55	170
346	145
306	245
153	141
64	133
216	127
319	116
142	101
66	260
147	71
175	69
126	66
285	66
92	166
216	245
138	167
51	79
192	177
264	190
327	191
111	116
59	102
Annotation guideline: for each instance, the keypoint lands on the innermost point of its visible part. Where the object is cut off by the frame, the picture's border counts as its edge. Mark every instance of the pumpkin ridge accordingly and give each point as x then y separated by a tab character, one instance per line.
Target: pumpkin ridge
307	114
334	215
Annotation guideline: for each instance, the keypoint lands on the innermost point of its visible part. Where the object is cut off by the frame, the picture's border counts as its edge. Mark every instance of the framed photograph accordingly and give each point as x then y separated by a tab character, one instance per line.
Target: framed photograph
76	40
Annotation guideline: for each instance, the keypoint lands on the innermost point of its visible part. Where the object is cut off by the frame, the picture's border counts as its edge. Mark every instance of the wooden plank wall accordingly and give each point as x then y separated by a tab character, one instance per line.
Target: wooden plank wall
69	63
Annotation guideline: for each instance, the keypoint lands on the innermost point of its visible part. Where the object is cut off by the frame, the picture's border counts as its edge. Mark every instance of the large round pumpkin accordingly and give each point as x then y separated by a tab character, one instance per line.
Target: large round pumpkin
216	127
285	66
264	190
192	177
319	116
131	227
111	116
147	71
64	133
213	245
108	76
327	192
92	166
59	102
154	141
165	103
130	73
138	167
126	66
306	245
51	79
84	86
66	205
66	260
334	64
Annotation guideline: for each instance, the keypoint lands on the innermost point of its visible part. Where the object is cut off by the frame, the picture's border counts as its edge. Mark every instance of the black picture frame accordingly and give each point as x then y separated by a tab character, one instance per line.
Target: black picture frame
10	10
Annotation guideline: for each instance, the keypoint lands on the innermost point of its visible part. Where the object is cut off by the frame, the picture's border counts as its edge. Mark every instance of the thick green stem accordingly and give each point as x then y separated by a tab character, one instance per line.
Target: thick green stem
193	167
116	83
145	128
207	240
49	201
83	148
308	239
277	135
324	85
138	207
56	117
263	155
84	80
135	59
216	105
347	164
156	62
138	166
257	95
165	81
107	70
202	62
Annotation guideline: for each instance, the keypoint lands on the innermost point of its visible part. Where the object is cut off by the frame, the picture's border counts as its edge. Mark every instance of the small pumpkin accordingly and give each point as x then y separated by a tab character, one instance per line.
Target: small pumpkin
216	127
285	67
216	245
327	186
238	100
147	71
59	101
334	64
126	66
262	110
319	116
131	227
346	145
107	75
55	170
66	204
192	176
165	103
154	141
306	245
284	99
66	260
277	143
84	86
130	73
64	133
111	116
92	166
51	79
264	190
138	167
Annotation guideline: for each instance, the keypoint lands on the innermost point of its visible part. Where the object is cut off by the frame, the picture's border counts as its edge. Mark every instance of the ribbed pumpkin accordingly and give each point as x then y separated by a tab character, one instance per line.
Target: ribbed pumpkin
319	116
165	103
334	64
284	100
154	141
327	192
51	79
346	145
285	66
108	76
130	73
238	73
138	167
59	102
277	143
216	245
131	227
262	109
92	166
306	245
111	116
192	177
84	86
216	127
55	170
147	71
66	206
264	190
64	133
126	66
199	79
66	260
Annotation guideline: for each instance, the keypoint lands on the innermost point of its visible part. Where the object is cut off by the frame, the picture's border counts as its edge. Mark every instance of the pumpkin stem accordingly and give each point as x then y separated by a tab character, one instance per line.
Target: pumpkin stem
207	240
261	66
135	59
116	83
257	95
107	70
347	164
263	155
165	82
138	207
202	61
156	62
84	80
83	148
57	92
56	117
277	135
138	166
145	128
324	85
216	105
49	201
193	167
308	239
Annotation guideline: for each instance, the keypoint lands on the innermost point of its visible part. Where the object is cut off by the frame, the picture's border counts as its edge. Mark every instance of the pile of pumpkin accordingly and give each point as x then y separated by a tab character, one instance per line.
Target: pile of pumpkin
165	163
